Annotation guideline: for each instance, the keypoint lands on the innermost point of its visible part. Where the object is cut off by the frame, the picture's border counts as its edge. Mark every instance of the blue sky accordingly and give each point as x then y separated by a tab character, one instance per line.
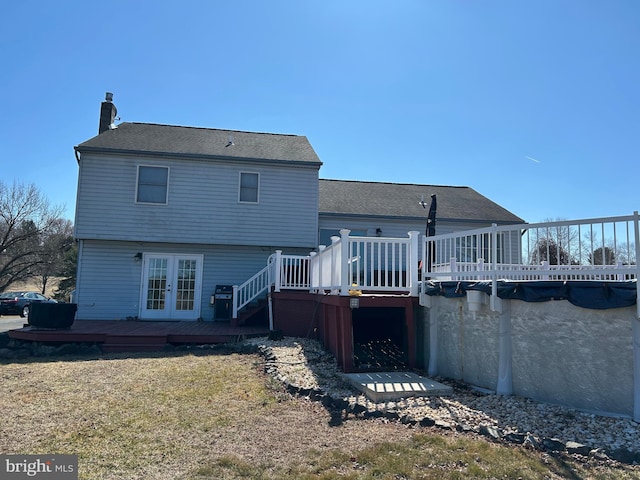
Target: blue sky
535	105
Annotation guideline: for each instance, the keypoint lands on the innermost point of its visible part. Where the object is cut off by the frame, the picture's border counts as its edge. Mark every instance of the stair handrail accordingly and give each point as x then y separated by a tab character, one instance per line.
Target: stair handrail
254	287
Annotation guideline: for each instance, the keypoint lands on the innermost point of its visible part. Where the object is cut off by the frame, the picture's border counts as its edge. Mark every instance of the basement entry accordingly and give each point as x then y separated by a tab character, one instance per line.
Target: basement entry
379	339
385	386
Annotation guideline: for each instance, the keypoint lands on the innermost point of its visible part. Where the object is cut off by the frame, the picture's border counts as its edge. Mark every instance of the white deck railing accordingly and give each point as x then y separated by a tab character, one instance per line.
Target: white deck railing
600	249
291	272
253	288
374	264
591	249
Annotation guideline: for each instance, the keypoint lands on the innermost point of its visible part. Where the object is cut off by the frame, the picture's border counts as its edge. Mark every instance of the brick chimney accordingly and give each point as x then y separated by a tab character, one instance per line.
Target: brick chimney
108	113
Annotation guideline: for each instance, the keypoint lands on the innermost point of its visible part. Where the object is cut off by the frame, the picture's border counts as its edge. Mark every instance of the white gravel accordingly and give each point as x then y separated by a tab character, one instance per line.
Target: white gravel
304	364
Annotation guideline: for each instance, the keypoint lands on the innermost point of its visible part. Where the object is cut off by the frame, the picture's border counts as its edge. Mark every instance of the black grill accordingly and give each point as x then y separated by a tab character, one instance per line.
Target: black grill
223	302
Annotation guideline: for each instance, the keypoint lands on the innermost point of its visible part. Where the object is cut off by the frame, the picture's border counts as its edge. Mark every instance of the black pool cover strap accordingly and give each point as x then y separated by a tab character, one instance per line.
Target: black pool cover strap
595	295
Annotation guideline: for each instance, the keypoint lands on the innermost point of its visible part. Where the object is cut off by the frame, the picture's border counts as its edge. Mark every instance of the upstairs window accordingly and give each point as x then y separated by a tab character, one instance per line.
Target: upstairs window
152	184
249	185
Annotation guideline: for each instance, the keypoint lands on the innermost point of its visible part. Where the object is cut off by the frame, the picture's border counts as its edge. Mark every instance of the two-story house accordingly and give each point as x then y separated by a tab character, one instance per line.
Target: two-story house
164	213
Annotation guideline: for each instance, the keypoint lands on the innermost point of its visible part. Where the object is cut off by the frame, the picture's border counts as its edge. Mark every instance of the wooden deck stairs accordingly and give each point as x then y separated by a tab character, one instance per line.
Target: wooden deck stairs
253	314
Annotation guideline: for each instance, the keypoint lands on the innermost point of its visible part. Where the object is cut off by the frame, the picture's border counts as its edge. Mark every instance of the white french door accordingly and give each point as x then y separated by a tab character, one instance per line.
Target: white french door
171	287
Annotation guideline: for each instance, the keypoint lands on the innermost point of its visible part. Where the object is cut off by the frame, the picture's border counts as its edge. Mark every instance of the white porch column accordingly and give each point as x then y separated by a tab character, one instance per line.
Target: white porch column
345	281
505	374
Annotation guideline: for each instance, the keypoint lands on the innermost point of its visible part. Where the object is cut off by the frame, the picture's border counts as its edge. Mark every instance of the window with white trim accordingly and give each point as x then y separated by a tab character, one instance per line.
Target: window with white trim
249	187
152	184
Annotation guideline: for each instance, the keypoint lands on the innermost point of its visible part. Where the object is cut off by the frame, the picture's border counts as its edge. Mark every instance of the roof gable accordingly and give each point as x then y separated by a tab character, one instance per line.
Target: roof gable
348	197
193	142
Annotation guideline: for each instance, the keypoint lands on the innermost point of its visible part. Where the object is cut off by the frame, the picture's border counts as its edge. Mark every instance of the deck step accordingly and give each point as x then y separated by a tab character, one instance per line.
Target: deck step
253	308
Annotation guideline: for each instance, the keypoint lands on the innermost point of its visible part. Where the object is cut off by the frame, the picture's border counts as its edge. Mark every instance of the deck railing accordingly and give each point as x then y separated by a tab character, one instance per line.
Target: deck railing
374	264
254	287
291	272
599	249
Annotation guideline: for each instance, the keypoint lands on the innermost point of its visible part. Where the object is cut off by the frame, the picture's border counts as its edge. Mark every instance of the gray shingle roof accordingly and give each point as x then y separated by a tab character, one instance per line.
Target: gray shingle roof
193	142
348	197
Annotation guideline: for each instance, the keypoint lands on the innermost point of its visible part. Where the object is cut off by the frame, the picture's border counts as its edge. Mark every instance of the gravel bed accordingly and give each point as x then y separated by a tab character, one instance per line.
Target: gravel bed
306	368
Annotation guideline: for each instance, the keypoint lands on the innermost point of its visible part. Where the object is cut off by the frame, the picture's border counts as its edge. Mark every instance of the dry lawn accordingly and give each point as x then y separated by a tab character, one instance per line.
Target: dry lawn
218	416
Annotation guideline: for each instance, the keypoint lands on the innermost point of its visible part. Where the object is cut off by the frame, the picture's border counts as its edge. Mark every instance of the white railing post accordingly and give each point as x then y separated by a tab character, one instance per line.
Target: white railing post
544	265
413	262
636	327
636	228
277	269
453	266
620	266
345	282
636	368
479	267
321	259
425	259
334	271
234	313
494	267
313	267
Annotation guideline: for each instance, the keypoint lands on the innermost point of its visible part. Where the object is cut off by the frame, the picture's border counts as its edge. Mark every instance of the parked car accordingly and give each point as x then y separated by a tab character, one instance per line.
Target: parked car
19	303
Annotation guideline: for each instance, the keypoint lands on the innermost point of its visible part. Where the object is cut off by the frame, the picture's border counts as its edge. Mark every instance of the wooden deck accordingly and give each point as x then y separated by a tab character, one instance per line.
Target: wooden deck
135	336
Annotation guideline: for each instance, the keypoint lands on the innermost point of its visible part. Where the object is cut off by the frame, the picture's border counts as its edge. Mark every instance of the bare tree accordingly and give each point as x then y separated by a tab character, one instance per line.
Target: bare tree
626	253
67	273
603	256
54	246
26	218
556	243
550	250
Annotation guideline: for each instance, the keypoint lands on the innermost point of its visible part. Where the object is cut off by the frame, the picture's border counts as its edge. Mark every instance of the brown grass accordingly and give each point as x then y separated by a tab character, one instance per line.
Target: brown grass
218	416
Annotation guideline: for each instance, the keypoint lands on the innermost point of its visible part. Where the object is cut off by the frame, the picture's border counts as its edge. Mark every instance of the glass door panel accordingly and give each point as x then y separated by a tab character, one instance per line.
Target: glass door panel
171	287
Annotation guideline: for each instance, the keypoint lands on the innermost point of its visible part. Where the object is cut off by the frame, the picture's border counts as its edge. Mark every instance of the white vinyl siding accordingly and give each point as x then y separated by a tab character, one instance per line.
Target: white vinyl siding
249	187
152	184
110	275
203	205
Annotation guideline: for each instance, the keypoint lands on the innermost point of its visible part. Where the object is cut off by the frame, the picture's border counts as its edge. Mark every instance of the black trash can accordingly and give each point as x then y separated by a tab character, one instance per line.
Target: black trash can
223	302
52	315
